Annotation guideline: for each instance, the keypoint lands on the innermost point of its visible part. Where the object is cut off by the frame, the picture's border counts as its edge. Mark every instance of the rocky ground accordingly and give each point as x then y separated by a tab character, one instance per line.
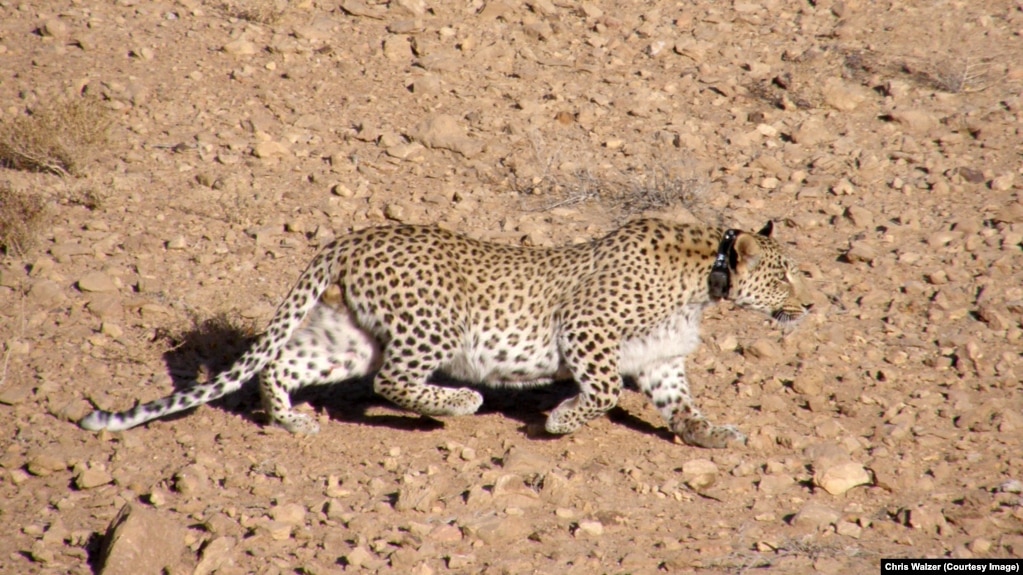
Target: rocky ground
883	138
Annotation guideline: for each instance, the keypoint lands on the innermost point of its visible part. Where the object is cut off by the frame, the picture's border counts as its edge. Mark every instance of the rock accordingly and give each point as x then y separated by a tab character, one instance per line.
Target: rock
837	478
141	540
810	383
268	149
92	477
396	48
699	474
511	491
590	528
815	516
216	554
53	28
417	492
105	306
289	513
276	530
493	530
525	462
459	561
812	133
444	131
191	479
848	529
928	518
45	463
359	556
860	251
1010	214
46	294
239	48
1003	183
916	121
860	217
841	96
773	483
763	349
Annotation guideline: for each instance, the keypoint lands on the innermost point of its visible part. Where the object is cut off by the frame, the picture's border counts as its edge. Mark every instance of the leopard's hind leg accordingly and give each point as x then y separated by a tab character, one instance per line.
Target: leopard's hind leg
330	348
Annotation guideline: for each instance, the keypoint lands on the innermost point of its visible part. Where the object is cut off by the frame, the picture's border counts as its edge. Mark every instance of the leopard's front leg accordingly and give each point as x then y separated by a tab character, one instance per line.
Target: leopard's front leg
666	385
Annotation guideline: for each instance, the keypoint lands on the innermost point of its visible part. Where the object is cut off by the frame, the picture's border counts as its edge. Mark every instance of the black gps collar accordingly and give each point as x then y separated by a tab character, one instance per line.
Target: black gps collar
720	281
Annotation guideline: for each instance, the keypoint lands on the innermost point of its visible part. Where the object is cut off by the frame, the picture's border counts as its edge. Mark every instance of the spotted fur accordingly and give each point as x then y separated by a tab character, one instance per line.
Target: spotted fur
407	301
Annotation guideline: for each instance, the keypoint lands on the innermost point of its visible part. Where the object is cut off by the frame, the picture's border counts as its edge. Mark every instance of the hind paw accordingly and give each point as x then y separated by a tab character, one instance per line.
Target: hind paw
297	423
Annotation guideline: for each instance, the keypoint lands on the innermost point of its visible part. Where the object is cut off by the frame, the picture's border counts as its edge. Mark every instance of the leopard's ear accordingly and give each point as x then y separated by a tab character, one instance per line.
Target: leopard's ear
767	229
747	252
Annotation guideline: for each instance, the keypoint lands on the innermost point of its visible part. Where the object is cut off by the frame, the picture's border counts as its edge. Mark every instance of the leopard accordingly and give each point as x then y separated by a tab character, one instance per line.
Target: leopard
401	304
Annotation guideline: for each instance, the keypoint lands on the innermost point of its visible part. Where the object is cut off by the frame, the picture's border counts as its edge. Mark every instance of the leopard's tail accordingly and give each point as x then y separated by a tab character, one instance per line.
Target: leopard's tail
315	280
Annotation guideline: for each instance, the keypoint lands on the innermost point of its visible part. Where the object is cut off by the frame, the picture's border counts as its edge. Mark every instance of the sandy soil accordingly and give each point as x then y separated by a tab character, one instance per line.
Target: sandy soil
883	138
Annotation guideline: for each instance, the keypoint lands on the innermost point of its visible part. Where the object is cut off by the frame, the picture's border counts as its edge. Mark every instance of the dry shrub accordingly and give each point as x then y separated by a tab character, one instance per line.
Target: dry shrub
59	137
21	215
266	12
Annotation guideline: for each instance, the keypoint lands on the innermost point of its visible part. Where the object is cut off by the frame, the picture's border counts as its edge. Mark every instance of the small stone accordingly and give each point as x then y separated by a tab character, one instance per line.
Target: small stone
46	294
1010	214
810	383
177	243
848	529
459	561
191	479
111	329
53	28
917	121
699	474
811	133
861	251
815	516
445	533
92	477
841	96
860	217
837	478
445	132
589	529
1003	183
1011	486
763	349
14	394
215	555
289	513
927	518
773	483
240	48
502	530
276	530
268	149
396	48
396	212
418	492
979	545
45	464
358	557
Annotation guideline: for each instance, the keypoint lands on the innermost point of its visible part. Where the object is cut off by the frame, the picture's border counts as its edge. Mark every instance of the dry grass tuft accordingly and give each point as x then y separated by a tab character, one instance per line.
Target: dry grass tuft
266	12
21	215
626	196
59	137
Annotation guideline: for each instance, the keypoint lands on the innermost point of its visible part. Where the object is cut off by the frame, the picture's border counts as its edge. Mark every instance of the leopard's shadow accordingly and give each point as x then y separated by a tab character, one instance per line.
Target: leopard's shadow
213	345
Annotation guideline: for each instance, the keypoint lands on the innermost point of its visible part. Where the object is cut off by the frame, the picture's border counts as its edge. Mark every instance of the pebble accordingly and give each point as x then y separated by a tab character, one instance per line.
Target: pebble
289	513
699	474
916	121
494	530
815	516
45	464
837	478
763	349
216	554
191	479
53	28
861	251
589	528
841	96
46	294
812	132
445	132
92	477
511	491
773	483
240	48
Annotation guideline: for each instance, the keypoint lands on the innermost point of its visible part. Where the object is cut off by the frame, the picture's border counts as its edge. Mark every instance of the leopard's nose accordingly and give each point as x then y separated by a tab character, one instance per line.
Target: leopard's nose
807	307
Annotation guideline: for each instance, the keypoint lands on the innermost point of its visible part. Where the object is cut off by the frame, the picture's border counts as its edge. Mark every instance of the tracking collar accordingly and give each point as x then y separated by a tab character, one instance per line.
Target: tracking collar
720	281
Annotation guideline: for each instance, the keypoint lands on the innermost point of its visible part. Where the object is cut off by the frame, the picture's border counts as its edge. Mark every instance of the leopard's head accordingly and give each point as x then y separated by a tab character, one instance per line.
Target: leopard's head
754	272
